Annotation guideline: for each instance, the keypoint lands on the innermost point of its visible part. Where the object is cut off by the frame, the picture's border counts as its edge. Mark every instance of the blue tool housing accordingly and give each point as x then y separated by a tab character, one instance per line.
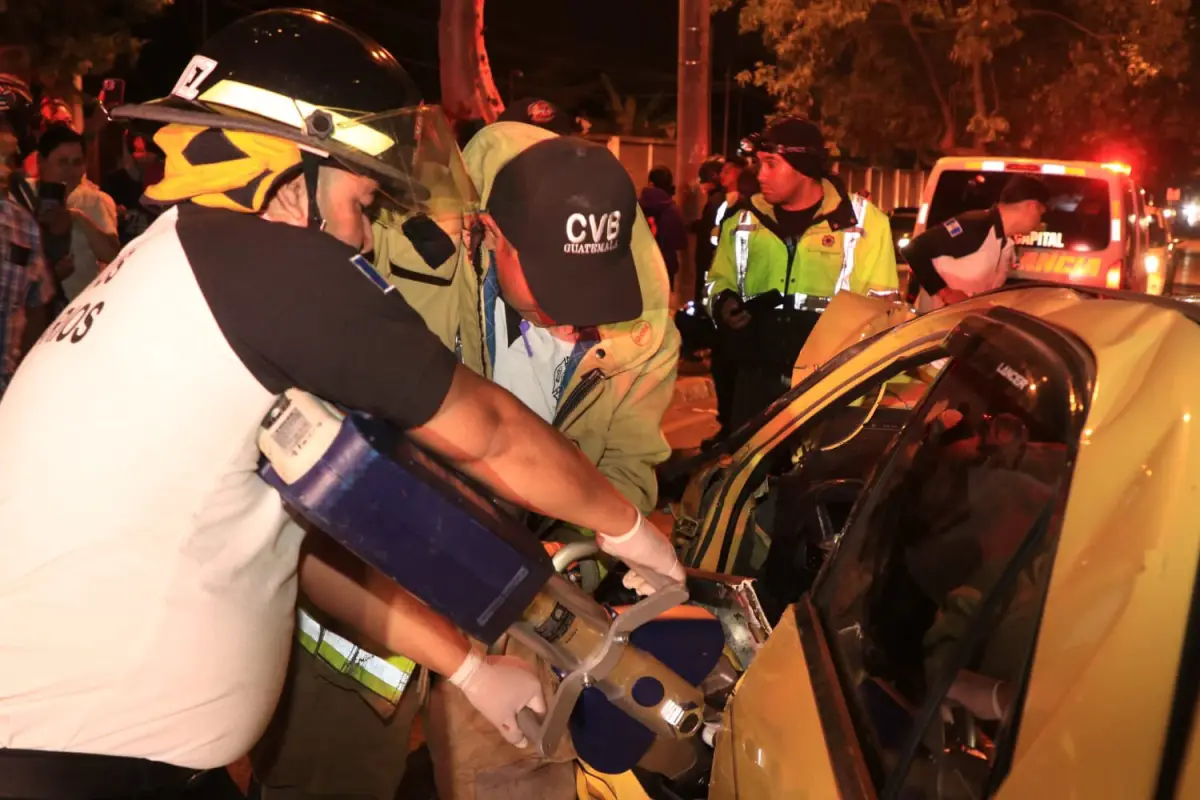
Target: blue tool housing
421	524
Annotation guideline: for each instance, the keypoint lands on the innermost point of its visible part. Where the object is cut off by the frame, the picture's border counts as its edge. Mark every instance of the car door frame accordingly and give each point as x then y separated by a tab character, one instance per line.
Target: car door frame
850	769
739	477
1078	367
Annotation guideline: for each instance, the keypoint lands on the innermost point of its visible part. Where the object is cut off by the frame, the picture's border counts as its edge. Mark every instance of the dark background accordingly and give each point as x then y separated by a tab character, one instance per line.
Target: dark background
554	49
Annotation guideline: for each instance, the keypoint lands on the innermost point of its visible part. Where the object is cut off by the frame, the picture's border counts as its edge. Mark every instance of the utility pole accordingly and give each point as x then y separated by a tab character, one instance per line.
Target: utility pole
693	116
725	127
741	92
468	90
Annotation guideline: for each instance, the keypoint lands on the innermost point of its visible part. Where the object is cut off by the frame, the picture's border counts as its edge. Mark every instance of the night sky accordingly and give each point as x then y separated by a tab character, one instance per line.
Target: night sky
555	49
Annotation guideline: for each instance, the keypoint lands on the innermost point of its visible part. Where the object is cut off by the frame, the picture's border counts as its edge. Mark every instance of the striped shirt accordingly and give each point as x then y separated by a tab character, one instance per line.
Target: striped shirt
24	280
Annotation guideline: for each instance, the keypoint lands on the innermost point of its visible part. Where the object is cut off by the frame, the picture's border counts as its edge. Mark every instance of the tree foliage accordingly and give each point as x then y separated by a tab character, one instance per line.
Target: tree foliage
630	118
66	37
1067	77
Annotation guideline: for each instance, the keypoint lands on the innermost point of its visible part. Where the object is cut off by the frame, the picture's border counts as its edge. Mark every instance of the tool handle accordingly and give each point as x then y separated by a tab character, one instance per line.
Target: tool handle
657	580
531	725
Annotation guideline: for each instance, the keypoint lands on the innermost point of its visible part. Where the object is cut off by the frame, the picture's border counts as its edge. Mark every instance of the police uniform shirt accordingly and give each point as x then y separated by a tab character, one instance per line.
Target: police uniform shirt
147	584
795	223
531	362
969	252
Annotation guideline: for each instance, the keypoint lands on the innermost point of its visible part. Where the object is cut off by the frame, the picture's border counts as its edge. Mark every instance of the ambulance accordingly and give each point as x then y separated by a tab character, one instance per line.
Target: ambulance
1094	232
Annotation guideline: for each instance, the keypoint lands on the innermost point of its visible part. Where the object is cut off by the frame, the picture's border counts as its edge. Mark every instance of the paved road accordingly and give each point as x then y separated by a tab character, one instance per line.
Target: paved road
692	416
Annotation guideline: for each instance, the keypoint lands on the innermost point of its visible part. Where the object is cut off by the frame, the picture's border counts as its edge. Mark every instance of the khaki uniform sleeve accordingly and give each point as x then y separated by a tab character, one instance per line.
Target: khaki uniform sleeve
635	444
427	288
875	256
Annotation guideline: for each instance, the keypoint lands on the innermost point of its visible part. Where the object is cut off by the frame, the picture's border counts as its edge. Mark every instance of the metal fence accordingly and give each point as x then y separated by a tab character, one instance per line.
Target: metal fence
640	154
888	189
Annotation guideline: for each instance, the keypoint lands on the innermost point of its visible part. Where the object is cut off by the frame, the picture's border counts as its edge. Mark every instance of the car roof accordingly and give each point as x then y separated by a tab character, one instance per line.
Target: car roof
1047	166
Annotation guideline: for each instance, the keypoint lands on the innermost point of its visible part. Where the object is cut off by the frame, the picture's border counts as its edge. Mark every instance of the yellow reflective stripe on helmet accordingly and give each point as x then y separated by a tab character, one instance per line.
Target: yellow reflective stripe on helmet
294	111
385	677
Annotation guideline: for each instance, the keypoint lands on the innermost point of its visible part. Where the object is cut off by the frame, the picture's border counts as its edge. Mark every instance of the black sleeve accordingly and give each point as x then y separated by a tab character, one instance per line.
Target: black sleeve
298	312
955	238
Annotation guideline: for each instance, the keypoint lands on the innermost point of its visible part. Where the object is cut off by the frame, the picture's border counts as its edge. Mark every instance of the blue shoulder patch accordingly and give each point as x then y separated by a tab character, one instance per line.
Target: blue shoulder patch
953	226
374	277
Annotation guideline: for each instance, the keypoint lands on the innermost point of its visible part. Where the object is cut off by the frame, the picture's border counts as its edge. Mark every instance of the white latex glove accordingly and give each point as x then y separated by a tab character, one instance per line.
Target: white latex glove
645	550
499	687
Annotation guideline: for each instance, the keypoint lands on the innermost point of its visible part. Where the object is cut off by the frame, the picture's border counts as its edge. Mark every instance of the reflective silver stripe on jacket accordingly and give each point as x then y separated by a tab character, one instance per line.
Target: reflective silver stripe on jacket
716	231
741	248
849	242
343	655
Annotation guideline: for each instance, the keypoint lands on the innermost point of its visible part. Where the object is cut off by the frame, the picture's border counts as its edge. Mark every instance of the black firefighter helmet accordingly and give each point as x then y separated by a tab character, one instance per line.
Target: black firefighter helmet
303	76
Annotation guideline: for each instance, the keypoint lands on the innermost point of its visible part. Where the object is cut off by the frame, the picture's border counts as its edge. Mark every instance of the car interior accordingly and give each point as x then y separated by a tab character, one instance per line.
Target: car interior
939	531
932	602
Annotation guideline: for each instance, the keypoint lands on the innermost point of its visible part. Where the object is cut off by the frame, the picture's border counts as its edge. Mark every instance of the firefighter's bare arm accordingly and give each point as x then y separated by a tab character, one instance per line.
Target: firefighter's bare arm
347	589
488	434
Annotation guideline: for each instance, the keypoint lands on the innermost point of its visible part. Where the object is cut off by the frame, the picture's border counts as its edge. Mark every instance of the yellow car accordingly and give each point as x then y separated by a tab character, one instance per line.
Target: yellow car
975	542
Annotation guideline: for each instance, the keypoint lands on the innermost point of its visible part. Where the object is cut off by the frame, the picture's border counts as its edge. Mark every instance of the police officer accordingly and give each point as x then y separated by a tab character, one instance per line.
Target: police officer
146	622
784	254
974	252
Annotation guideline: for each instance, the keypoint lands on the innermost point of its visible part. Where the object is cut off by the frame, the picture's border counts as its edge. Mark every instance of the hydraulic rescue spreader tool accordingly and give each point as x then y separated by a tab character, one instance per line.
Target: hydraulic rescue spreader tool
628	692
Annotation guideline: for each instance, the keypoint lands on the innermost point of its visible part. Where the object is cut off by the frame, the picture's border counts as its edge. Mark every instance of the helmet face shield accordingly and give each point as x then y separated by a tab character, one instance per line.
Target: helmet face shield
412	151
423	170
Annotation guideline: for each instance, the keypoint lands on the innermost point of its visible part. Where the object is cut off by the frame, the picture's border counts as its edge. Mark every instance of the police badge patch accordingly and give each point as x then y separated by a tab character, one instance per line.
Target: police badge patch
560	372
953	227
364	266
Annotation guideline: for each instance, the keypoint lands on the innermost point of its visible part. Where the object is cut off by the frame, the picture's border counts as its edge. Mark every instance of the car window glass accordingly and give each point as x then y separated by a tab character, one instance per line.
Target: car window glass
977	466
1077	215
719	544
815	475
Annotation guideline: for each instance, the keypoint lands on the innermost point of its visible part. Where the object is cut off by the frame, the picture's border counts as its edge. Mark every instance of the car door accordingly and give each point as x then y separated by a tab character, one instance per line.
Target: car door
909	658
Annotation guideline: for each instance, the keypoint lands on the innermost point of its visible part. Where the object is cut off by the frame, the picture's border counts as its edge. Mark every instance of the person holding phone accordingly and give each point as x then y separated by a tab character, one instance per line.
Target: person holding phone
78	210
142	164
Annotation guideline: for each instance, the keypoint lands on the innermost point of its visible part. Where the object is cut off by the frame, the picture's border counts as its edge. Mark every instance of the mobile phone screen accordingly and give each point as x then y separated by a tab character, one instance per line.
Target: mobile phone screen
51	194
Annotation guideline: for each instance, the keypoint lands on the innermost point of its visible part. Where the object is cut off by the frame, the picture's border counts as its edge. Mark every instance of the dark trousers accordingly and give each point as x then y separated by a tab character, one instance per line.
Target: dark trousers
724	375
44	775
326	741
765	354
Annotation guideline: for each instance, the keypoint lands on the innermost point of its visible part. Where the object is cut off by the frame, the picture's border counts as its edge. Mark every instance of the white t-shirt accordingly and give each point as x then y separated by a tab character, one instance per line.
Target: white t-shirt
100	209
531	361
147	583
